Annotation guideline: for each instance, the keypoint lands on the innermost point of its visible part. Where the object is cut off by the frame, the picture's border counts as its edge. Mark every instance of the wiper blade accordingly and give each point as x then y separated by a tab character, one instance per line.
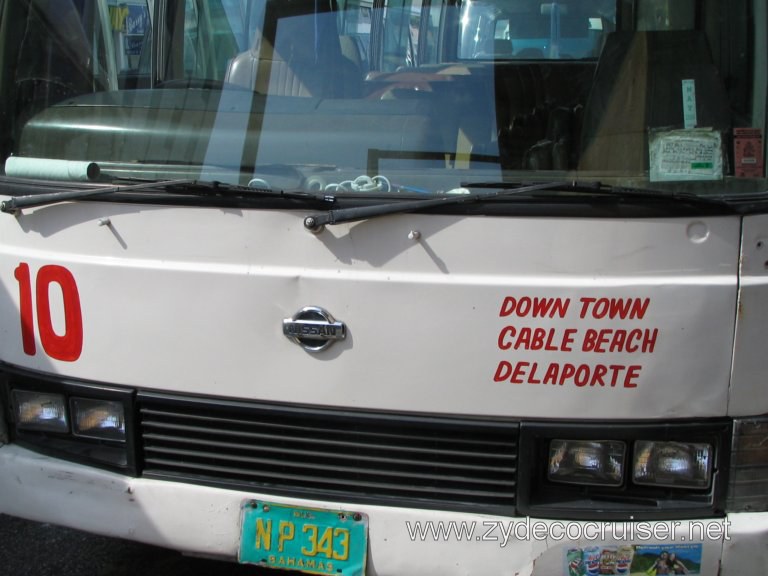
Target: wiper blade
175	187
62	195
257	188
597	188
316	222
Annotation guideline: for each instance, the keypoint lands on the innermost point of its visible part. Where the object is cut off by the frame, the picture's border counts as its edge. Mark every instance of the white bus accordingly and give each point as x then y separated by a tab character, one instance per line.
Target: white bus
394	287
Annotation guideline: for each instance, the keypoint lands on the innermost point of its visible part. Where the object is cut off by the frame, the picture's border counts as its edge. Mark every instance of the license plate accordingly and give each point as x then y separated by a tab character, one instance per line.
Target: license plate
306	540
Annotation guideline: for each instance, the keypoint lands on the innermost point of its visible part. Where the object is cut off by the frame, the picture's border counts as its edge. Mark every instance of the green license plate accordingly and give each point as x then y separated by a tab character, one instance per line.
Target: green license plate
306	540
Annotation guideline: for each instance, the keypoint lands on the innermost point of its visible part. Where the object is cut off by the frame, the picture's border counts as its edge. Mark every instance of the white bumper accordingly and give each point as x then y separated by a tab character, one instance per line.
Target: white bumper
206	521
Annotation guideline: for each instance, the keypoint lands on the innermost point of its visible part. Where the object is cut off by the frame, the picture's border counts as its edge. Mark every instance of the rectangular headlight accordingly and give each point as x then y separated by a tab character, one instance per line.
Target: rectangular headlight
40	411
672	464
100	419
595	462
78	421
748	489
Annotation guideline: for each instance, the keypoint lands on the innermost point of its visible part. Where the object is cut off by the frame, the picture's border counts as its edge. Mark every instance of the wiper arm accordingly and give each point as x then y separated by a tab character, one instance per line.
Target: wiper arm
316	222
597	188
58	195
175	187
257	188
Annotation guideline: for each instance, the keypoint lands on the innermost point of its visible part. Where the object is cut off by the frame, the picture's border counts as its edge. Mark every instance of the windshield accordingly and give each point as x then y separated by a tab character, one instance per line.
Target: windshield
387	97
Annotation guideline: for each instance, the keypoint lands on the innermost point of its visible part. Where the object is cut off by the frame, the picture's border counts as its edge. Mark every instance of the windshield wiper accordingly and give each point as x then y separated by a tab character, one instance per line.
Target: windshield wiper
174	187
58	194
597	188
490	190
316	222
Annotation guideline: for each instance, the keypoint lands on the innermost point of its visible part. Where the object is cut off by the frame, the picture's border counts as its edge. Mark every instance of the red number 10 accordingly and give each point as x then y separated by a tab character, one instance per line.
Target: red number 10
67	346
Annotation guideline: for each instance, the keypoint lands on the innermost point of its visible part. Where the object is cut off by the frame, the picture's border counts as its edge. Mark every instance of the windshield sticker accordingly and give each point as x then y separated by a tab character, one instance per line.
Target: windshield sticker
689	103
629	560
748	152
685	155
591	327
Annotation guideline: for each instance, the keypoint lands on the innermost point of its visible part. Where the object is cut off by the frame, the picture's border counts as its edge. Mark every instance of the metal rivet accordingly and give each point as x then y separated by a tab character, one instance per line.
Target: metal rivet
310	224
414	235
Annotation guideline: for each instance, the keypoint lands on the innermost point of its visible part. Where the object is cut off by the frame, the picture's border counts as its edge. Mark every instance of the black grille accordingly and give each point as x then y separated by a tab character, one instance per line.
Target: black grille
446	463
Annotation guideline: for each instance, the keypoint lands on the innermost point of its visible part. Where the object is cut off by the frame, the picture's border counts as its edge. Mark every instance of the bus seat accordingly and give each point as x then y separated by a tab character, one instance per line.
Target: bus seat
351	51
303	59
638	86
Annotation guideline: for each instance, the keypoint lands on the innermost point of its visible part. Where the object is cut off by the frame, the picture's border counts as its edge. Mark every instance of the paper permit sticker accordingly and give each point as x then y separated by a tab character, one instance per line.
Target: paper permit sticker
685	155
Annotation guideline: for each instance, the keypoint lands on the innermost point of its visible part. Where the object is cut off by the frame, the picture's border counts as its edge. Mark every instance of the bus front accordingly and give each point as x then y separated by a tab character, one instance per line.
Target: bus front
397	287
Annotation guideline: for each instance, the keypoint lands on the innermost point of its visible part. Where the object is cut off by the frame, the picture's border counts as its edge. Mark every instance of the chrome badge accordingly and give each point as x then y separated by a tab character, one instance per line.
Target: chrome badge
314	329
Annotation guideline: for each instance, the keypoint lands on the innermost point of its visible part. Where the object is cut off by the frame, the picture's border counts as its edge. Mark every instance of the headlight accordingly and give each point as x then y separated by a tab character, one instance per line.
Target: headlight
102	419
598	462
672	464
625	470
77	421
40	411
748	490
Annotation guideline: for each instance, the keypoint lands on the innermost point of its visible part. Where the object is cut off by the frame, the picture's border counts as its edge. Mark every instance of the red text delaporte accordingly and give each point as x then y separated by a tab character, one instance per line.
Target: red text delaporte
581	375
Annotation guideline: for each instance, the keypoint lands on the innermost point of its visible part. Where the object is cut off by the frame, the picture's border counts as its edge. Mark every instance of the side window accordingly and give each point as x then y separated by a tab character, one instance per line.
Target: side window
355	26
227	25
203	36
65	49
529	29
430	43
477	30
402	21
131	30
235	12
665	15
191	39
